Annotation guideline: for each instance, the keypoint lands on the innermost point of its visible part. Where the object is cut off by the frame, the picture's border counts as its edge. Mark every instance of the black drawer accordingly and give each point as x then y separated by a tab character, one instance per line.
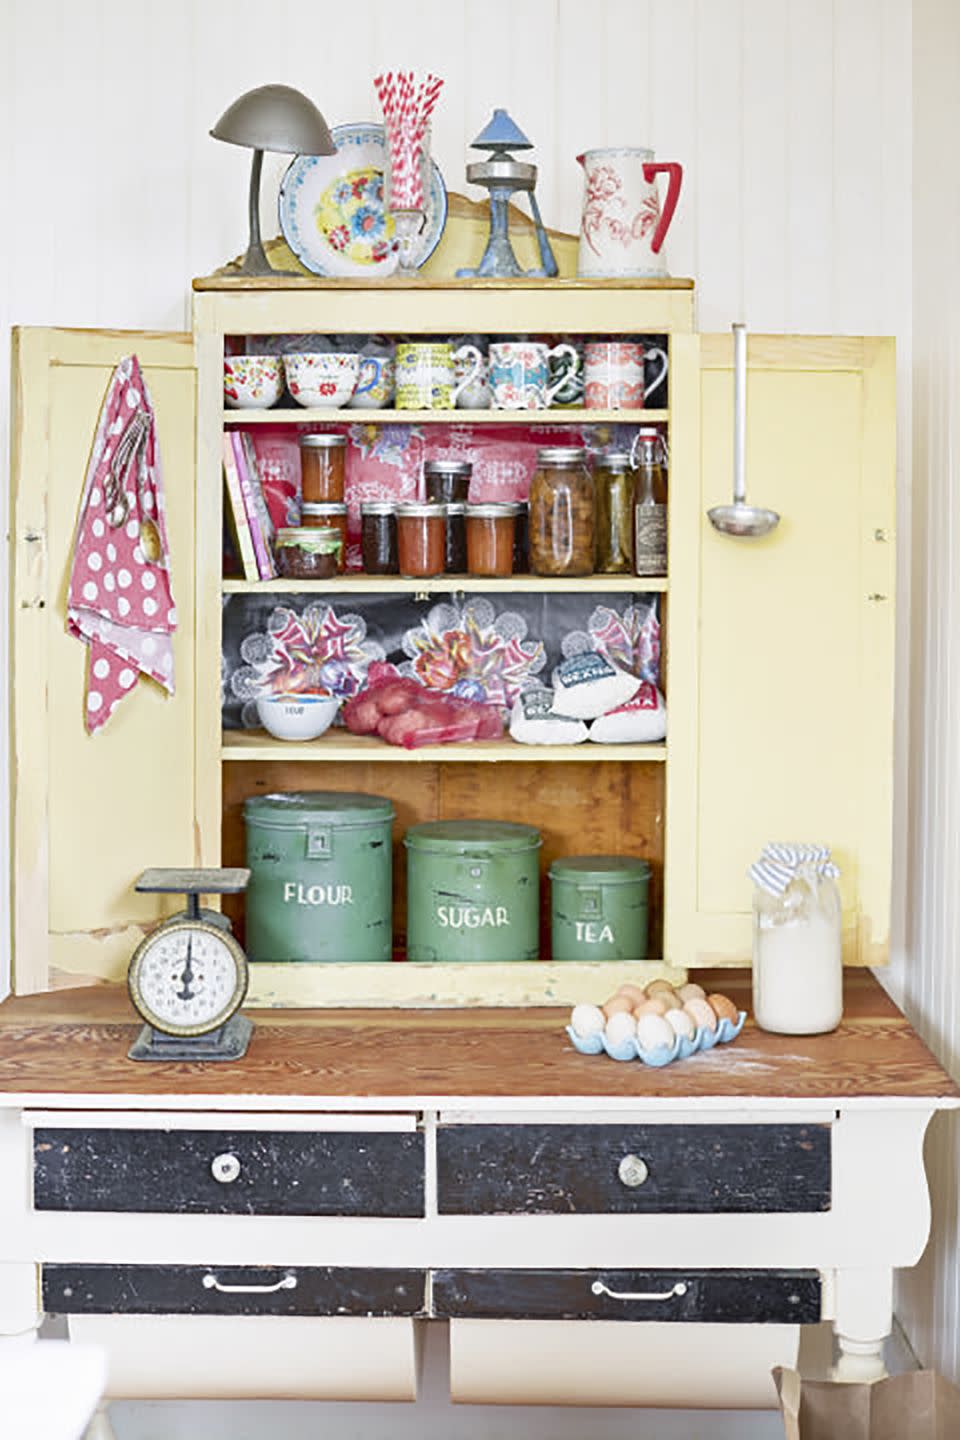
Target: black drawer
726	1297
274	1172
230	1290
587	1169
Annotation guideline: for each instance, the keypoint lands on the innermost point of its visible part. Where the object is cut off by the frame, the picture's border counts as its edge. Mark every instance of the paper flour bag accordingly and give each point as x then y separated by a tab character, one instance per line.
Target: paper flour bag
588	685
642	718
534	722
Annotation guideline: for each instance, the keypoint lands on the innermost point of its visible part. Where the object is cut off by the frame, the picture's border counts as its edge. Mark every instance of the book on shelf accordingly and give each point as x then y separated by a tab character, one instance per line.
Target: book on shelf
258	520
236	513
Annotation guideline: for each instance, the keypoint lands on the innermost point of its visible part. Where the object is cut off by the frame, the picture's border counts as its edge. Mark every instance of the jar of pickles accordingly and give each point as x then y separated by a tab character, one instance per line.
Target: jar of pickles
313	516
378	537
421	538
490	530
613	492
447	481
322	468
562	534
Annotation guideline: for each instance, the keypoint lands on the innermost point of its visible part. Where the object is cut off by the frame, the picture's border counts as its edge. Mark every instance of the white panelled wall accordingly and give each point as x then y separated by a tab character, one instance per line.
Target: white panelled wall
794	121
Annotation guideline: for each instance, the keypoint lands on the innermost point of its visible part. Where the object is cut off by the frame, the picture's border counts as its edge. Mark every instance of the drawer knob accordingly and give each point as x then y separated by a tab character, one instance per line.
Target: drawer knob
633	1171
225	1168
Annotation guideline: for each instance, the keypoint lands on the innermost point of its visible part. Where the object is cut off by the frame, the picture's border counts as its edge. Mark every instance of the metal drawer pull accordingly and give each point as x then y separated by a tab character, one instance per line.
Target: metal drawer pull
633	1171
210	1282
598	1288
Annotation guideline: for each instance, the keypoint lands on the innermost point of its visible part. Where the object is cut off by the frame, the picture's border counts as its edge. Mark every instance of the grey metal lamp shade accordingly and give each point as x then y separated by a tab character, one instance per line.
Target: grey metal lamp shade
272	117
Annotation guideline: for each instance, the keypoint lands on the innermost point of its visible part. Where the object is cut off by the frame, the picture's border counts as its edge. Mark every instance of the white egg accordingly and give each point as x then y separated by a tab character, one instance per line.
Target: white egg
619	1028
691	992
653	1031
680	1022
587	1020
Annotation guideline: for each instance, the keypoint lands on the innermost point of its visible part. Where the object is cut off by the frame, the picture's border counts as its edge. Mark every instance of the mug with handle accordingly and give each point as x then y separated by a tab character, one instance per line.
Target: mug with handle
520	373
426	374
614	374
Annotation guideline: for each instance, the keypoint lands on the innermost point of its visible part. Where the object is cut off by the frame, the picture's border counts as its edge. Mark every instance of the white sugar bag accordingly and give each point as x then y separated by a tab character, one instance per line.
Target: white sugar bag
533	721
643	717
588	685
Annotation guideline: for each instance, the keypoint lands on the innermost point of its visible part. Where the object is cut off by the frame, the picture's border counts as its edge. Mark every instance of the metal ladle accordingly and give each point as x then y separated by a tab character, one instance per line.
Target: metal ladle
741	518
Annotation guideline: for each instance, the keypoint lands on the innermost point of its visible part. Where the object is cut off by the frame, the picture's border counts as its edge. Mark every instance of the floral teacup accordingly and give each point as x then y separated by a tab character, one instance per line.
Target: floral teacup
252	382
375	393
324	380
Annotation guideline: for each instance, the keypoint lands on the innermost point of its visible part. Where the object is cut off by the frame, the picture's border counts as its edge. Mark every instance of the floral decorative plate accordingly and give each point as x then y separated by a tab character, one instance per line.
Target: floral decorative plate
332	213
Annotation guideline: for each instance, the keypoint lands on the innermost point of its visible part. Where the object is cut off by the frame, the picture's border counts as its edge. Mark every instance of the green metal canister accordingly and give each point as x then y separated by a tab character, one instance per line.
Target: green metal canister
473	890
321	871
599	907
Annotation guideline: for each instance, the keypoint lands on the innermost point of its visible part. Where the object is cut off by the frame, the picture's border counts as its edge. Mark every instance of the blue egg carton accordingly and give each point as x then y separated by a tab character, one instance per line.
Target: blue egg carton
681	1049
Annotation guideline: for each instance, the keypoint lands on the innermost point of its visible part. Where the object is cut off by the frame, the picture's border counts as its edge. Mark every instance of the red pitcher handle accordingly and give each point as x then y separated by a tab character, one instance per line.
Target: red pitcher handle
675	172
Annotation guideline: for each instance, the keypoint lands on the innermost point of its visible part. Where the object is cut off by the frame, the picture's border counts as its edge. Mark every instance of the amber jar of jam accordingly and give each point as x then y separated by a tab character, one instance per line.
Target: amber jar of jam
322	468
490	531
309	553
613	498
312	516
421	538
455	539
447	481
561	513
378	537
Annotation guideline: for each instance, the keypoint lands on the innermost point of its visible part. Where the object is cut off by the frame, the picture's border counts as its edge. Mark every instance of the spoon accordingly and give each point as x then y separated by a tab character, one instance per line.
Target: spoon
740	518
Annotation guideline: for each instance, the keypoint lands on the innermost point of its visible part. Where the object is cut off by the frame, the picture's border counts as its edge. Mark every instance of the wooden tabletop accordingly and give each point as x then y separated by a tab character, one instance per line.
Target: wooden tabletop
74	1043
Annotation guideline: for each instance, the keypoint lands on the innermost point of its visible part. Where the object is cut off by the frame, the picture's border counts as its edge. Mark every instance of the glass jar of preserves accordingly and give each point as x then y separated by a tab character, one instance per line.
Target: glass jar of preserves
561	513
490	532
521	539
378	537
447	481
613	491
650	503
313	516
421	538
322	467
308	553
455	539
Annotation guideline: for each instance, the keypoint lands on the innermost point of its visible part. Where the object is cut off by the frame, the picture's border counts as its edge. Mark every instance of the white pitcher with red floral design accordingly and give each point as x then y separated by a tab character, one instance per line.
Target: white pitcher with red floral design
622	228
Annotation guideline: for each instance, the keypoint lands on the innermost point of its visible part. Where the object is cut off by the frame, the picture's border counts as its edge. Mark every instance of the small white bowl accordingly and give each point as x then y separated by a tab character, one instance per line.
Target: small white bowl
252	382
296	717
322	381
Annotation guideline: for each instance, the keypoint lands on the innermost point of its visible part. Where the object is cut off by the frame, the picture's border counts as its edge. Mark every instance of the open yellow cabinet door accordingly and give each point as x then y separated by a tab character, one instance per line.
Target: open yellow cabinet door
782	648
90	812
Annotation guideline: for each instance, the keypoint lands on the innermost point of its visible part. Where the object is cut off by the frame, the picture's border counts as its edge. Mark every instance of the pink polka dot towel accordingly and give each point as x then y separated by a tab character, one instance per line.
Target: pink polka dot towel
120	600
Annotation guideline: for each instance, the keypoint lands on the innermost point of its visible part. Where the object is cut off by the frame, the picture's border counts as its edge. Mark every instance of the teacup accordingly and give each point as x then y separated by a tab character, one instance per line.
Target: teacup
252	382
426	374
320	380
520	373
377	391
614	374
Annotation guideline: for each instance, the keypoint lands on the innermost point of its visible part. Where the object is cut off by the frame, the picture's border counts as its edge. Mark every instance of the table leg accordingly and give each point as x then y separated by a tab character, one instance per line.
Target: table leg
20	1315
100	1427
864	1319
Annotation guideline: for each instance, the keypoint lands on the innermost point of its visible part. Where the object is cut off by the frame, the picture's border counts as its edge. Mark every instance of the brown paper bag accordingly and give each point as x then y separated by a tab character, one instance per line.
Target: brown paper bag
920	1405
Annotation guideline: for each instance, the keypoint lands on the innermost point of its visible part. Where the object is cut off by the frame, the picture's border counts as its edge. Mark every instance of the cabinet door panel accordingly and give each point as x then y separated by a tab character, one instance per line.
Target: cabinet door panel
90	812
782	676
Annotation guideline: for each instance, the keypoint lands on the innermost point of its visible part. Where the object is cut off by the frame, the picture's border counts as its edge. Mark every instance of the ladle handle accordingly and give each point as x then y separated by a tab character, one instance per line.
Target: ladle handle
739	413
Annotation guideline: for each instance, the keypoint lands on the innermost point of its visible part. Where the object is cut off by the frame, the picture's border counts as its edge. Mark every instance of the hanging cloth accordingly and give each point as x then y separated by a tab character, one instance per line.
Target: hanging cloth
120	600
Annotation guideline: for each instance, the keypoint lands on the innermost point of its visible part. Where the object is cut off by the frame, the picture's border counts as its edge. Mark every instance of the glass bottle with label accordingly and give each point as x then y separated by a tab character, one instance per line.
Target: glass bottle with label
650	503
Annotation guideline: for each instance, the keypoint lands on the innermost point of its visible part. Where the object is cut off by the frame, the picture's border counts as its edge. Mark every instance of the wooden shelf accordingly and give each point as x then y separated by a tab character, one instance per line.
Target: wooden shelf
230	278
579	416
452	585
339	744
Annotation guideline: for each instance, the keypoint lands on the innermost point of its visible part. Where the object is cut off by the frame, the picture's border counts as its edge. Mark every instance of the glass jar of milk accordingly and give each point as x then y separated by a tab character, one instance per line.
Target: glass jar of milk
797	952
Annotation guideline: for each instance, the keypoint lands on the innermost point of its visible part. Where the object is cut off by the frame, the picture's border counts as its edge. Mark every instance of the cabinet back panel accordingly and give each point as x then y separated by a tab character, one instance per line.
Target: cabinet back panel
608	808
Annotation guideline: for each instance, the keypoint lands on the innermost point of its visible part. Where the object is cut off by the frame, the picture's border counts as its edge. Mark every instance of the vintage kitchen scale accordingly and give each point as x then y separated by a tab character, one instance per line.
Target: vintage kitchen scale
188	978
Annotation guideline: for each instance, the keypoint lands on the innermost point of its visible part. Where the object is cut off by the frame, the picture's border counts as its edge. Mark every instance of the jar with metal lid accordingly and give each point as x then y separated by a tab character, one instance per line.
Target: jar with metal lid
447	481
613	491
455	539
322	467
650	503
562	535
378	537
599	907
421	538
308	552
326	515
473	890
490	532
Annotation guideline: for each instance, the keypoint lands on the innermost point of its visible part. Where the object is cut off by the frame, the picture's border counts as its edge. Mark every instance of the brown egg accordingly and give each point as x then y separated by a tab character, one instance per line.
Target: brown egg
724	1007
634	993
619	1005
656	986
654	1006
691	992
701	1013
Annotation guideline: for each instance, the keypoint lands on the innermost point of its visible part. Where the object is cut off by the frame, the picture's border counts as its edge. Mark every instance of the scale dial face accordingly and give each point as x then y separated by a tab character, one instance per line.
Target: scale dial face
188	977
